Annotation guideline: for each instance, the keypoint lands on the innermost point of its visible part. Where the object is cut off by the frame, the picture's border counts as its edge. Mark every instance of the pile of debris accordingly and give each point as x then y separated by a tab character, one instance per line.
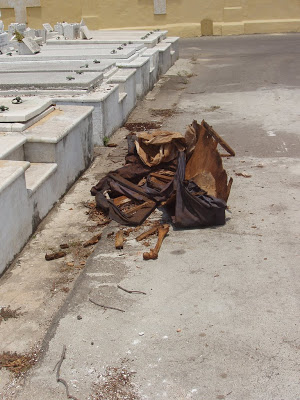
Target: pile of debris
183	173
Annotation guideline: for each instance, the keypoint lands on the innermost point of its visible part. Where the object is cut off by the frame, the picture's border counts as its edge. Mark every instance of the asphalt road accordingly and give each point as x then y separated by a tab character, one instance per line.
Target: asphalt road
220	319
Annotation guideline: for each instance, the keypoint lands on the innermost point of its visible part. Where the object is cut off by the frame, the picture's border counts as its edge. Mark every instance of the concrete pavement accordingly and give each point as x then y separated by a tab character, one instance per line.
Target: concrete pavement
220	318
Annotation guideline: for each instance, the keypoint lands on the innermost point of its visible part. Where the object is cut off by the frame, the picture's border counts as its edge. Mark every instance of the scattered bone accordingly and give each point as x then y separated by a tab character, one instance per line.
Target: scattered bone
244	174
95	239
119	240
162	233
148	233
55	256
64	246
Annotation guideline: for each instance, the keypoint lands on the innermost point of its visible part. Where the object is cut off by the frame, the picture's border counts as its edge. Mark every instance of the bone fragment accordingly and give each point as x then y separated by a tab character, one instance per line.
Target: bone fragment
119	240
162	233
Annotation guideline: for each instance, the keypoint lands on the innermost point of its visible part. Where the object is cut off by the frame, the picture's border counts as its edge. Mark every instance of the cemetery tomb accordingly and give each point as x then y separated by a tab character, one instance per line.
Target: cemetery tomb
52	53
38	166
60	66
49	80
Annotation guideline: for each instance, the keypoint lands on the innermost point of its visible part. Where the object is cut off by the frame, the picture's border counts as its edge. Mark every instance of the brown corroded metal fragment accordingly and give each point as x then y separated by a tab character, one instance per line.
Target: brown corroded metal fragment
205	166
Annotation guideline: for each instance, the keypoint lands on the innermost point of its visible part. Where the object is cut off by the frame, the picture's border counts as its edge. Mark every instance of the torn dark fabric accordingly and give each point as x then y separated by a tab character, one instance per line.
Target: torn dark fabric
198	188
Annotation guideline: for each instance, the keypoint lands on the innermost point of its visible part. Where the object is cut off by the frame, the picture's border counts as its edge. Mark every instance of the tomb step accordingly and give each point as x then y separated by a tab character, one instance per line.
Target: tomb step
165	60
122	96
37	174
127	81
12	147
15	218
174	40
110	72
121	75
44	136
10	171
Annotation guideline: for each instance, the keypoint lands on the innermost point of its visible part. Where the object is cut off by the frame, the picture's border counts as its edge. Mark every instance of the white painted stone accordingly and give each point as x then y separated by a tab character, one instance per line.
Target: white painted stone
16	27
107	114
160	7
48	27
85	32
1	25
3	41
165	58
30	107
15	212
174	47
71	31
126	79
31	47
41	33
142	67
11	146
29	190
29	33
37	174
59	28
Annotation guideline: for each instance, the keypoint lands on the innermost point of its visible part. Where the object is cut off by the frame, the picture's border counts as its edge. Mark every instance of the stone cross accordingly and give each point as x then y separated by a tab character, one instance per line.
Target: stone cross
20	7
160	6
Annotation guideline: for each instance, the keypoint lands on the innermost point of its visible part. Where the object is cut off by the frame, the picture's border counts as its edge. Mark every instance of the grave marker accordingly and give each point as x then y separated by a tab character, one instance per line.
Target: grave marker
3	40
48	27
29	33
85	32
31	45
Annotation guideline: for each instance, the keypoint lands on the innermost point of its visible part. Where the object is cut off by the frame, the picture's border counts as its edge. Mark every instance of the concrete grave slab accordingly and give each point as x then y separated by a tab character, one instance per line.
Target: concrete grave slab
49	80
63	65
23	112
21	126
73	53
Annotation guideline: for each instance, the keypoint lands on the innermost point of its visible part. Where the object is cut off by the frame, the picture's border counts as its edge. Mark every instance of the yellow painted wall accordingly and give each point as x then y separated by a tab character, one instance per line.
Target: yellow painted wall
271	9
183	17
7	16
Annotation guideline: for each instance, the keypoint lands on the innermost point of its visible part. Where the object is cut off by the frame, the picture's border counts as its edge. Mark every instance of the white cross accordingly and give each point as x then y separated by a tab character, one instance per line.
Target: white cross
20	8
160	6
